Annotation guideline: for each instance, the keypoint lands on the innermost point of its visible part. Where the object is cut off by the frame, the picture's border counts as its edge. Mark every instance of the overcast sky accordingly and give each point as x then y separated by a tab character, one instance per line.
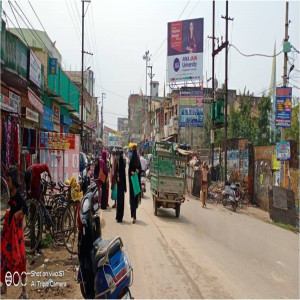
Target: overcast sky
118	32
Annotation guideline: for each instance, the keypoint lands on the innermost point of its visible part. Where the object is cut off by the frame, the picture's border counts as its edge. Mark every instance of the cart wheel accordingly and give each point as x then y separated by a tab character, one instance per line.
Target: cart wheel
154	206
177	211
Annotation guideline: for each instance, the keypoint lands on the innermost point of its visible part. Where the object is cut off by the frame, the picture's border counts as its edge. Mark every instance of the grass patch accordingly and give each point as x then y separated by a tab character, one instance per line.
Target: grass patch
287	227
47	241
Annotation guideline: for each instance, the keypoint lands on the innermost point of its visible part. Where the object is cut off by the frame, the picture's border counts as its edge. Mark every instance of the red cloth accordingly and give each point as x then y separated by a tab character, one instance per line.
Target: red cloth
37	170
13	256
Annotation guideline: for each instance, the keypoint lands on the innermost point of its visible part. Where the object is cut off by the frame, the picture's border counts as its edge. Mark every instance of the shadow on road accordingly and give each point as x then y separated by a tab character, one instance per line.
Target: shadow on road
168	216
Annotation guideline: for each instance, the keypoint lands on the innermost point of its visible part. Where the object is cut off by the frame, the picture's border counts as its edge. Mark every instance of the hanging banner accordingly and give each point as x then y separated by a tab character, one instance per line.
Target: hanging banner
52	66
283	106
191	109
185	50
283	151
48	119
15	101
53	140
9	104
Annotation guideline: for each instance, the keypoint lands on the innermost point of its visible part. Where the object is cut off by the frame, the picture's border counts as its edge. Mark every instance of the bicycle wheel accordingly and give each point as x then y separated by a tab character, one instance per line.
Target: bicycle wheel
4	199
33	226
57	218
69	227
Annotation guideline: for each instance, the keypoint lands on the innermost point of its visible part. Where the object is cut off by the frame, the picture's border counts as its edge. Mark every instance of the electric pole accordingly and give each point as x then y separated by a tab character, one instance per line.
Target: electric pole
82	66
146	57
285	58
151	76
102	121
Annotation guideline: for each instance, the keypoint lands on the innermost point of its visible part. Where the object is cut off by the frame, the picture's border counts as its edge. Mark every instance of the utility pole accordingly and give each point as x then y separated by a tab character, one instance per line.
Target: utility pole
151	76
146	57
213	83
285	59
102	121
82	66
226	86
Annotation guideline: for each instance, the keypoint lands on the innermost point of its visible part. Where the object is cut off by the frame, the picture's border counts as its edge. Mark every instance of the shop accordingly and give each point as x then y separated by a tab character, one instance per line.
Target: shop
10	128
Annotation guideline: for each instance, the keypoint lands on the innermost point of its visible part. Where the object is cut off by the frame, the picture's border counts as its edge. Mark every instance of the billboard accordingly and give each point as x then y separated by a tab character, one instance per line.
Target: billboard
191	109
35	69
185	50
283	106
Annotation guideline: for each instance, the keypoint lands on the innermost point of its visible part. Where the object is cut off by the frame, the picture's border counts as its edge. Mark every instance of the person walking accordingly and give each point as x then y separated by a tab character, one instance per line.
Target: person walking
121	188
103	168
13	256
113	171
134	166
204	184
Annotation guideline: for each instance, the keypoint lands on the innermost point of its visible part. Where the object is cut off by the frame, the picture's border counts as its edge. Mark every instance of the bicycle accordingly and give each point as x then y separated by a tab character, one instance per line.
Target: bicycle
44	214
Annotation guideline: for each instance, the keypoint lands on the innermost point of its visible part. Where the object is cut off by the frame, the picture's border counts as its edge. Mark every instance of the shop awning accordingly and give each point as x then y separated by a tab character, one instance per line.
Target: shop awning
184	152
168	138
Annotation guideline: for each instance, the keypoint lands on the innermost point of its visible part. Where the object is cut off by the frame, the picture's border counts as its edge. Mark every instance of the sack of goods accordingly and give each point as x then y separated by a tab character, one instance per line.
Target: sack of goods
76	194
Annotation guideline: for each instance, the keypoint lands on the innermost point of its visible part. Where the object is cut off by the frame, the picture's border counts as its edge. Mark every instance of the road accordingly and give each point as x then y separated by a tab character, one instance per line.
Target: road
206	253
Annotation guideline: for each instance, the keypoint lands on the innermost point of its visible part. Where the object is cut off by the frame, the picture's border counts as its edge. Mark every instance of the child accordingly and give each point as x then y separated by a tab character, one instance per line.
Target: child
13	257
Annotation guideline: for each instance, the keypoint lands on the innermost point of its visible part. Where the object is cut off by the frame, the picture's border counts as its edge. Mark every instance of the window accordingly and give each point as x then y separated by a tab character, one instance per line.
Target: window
156	94
176	110
166	118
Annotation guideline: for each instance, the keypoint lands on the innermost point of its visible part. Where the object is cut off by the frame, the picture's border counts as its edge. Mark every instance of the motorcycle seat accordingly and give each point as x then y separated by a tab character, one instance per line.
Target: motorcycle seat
102	248
234	187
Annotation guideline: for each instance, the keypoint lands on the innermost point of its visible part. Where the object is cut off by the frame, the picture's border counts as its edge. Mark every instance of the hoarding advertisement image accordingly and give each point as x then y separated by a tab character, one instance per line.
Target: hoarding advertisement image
191	109
185	50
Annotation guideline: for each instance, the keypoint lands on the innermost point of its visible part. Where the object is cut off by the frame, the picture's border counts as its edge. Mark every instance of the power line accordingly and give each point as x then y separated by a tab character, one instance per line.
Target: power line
250	55
295	49
75	27
36	16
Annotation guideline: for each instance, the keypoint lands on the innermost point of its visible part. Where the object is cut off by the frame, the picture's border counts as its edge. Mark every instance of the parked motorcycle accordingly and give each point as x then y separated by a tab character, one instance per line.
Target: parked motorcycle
143	183
231	196
105	271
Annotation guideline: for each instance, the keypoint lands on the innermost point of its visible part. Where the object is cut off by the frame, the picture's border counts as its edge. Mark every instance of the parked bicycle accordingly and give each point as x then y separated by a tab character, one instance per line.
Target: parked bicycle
53	212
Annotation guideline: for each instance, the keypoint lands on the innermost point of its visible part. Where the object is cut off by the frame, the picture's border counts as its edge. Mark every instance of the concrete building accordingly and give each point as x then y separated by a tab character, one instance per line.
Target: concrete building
122	124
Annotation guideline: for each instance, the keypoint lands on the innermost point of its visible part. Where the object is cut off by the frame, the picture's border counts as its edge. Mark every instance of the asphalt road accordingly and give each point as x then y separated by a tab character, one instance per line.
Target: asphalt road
206	253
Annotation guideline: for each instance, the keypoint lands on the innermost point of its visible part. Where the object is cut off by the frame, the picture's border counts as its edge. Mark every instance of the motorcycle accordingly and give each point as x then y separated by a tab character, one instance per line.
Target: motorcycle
231	196
143	183
104	271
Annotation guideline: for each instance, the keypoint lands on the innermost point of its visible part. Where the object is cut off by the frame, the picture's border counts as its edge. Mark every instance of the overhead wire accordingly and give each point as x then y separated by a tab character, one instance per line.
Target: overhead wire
256	54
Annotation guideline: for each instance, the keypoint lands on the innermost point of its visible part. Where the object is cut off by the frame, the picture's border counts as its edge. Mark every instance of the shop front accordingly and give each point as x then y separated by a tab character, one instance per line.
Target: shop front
32	109
10	128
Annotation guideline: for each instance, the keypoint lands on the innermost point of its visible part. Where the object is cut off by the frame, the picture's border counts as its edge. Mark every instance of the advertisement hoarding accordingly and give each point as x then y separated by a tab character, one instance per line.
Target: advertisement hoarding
191	109
283	151
283	106
185	50
56	110
35	101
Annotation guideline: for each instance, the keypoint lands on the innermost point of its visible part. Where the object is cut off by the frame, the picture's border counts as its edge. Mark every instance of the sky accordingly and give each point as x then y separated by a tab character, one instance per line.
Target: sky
118	32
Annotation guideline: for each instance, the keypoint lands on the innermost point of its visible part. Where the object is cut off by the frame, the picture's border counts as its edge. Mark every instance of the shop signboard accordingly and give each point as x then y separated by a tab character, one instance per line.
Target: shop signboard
191	109
15	101
35	101
56	110
53	140
185	50
8	104
35	69
283	151
52	66
283	106
30	114
48	119
65	120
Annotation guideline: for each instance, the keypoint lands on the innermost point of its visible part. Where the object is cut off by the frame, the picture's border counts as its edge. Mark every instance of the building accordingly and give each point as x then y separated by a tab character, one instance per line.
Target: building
136	106
122	124
155	89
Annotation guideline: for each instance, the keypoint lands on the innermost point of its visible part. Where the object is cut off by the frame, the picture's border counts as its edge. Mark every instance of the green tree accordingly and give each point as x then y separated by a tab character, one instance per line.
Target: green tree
263	122
293	132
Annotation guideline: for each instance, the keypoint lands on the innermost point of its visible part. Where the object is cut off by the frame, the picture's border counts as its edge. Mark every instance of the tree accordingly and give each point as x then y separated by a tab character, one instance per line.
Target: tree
293	132
263	122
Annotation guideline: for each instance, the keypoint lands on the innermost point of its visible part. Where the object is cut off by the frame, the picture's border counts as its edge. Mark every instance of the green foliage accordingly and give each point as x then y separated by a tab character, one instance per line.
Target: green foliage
47	241
263	122
293	132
